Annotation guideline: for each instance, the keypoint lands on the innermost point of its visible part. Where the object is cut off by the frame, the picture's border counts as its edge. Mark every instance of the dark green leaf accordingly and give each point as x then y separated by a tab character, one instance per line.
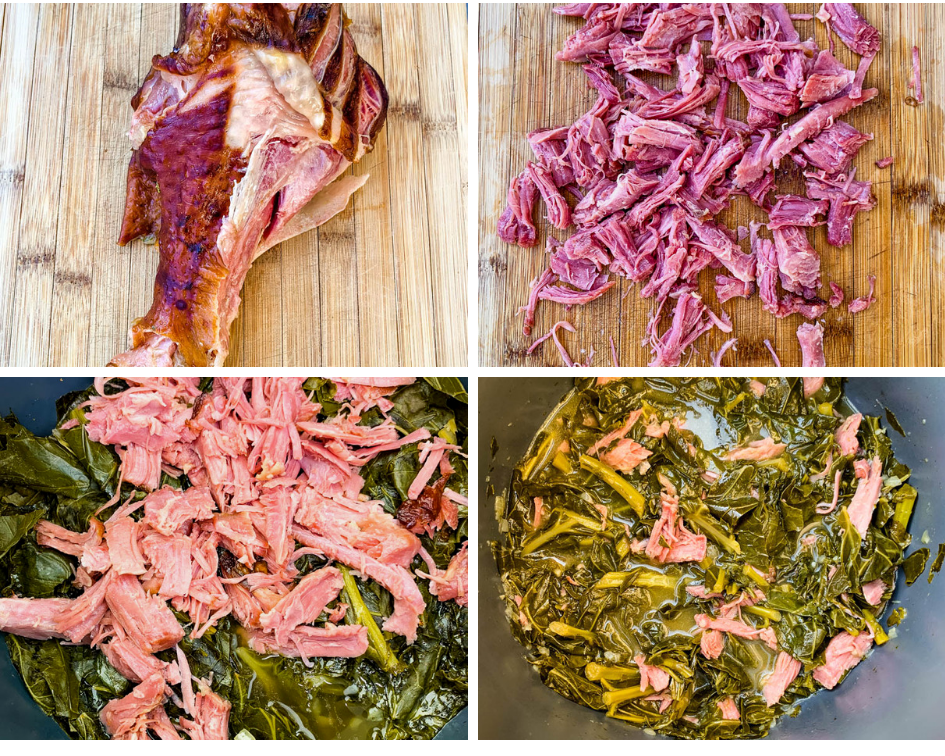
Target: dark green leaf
40	463
914	565
419	405
452	386
939	561
38	572
13	528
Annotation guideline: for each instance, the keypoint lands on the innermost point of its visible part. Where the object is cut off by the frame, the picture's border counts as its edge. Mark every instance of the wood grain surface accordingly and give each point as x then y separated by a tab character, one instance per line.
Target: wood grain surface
522	87
382	284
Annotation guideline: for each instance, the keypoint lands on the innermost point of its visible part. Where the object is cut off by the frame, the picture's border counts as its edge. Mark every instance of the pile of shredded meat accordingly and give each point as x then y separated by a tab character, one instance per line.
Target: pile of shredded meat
270	482
649	169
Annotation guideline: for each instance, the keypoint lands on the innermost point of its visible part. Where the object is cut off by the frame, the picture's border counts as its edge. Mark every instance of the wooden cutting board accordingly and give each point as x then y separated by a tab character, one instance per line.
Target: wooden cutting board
522	88
382	284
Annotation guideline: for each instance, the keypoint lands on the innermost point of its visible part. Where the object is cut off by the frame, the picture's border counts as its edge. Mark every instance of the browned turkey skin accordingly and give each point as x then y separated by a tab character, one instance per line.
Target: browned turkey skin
240	136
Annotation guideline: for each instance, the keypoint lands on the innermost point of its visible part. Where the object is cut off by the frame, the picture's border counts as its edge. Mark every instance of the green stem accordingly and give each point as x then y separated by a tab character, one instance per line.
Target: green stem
617	697
672	665
553	428
735	402
640	577
877	629
540	458
753	574
634	719
596	672
568	631
708	528
762	611
565	524
904	507
378	649
562	463
616	481
448	432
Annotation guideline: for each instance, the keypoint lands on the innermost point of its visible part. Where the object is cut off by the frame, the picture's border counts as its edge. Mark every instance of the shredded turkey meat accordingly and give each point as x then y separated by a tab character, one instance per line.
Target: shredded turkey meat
650	168
270	479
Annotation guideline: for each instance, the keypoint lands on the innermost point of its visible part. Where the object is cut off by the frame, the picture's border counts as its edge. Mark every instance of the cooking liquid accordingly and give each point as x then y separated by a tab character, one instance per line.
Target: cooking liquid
315	705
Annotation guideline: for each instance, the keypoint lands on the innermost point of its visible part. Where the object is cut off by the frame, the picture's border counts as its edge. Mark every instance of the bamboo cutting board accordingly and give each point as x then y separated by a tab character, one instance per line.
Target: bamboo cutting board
382	284
522	88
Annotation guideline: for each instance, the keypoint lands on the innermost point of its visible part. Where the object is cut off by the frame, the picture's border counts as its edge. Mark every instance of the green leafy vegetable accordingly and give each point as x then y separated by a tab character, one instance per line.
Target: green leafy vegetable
420	405
939	561
359	614
587	601
13	528
39	572
41	463
452	386
914	564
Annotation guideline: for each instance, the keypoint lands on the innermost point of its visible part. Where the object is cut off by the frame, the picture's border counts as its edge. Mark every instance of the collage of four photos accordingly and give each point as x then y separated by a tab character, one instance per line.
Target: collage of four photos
655	288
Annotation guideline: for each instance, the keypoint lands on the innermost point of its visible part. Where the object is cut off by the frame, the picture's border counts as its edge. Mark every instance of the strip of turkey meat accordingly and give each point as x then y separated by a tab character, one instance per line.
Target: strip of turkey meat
240	136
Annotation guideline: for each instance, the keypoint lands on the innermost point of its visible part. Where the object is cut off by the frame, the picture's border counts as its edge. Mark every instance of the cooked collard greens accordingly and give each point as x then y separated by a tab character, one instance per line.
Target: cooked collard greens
695	556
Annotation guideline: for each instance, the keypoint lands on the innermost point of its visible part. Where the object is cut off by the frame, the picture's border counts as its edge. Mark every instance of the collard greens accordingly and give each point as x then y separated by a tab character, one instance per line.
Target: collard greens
585	599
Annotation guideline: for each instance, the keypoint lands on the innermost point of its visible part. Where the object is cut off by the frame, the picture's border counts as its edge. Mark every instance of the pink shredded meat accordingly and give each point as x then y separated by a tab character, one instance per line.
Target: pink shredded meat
516	225
670	541
650	675
650	169
268	482
33	618
863	303
136	665
828	77
844	652
712	643
408	601
452	583
873	591
141	422
614	435
764	448
866	497
728	709
305	642
798	261
824	508
147	619
856	33
847	198
130	718
786	670
846	435
211	716
303	604
791	210
811	338
626	455
834	148
739	628
774	355
851	27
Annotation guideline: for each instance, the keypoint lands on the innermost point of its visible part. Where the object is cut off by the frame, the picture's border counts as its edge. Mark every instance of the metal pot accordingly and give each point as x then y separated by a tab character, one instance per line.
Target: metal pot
894	694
